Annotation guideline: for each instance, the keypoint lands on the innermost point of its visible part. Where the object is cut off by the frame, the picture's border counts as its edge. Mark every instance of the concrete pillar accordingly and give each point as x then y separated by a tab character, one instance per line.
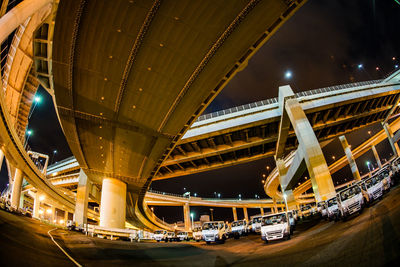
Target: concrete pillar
262	211
275	207
113	203
16	16
53	214
321	179
21	201
378	160
16	189
36	205
1	158
186	216
393	145
350	158
82	195
235	218
65	217
246	215
290	200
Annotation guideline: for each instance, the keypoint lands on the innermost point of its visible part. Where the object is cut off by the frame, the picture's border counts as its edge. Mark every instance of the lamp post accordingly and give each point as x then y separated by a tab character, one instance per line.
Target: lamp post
28	133
369	168
212	217
52	157
191	216
36	101
287	208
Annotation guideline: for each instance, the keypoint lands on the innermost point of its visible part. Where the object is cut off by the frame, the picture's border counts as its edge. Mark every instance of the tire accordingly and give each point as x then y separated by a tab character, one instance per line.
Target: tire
158	240
266	241
236	236
197	240
208	242
288	237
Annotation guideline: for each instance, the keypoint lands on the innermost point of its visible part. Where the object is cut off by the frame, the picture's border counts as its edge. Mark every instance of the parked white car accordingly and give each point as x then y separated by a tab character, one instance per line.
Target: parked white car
322	209
197	234
256	224
183	236
333	209
216	231
275	226
372	189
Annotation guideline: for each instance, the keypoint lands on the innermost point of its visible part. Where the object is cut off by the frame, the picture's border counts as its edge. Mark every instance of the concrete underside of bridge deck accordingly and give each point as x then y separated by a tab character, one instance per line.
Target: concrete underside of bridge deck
130	77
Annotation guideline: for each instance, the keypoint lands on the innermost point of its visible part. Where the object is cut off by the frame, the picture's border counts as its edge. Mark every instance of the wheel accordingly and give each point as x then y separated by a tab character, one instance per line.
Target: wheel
288	237
197	240
158	240
344	218
166	240
236	236
208	242
266	241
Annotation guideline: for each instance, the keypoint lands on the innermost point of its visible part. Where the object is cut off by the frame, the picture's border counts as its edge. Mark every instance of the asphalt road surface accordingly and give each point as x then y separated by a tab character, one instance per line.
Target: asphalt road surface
370	239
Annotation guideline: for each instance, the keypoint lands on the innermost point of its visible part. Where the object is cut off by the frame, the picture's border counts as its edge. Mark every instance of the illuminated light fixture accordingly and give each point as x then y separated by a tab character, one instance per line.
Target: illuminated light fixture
54	221
41	198
61	221
29	132
288	74
49	211
394	58
396	66
54	174
38	99
40	211
377	68
360	66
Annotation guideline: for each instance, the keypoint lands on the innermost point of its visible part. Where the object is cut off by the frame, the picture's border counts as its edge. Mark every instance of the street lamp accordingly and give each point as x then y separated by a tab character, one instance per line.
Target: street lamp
28	134
212	217
333	157
219	195
288	74
284	197
191	215
369	168
240	196
36	101
52	157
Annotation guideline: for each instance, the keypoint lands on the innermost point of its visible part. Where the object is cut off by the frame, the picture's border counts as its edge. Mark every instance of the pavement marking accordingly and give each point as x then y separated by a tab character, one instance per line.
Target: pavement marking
72	259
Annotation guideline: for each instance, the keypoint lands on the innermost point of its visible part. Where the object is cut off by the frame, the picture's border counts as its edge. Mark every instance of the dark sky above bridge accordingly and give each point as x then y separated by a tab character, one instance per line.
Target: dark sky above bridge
322	44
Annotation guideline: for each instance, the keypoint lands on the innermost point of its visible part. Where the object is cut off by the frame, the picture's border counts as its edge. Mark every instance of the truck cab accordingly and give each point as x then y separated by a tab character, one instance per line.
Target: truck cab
256	224
350	201
372	189
171	237
322	209
197	234
333	211
275	226
239	228
160	235
306	211
183	236
385	176
216	231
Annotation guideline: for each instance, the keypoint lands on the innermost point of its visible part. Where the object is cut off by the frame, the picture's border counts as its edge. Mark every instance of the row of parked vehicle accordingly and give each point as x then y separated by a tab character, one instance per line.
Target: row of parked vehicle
348	201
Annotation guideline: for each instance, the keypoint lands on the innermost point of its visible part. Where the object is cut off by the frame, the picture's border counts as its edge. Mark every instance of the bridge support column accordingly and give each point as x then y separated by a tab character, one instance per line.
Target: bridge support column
262	211
275	207
393	145
309	146
113	203
246	215
1	158
53	214
234	214
21	200
36	205
186	216
82	196
350	158
65	217
378	160
16	189
290	200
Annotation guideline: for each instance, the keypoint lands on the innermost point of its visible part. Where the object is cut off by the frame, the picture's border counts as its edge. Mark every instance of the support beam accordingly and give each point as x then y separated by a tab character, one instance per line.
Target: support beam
246	215
234	214
82	195
316	164
113	203
16	189
186	216
262	211
350	158
1	158
393	145
21	201
275	206
65	217
36	205
378	160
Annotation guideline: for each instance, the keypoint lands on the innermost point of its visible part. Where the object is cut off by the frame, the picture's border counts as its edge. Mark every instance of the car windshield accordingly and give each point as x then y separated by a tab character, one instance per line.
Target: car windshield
349	192
305	208
274	219
158	232
371	182
182	233
321	204
170	234
332	202
238	223
257	220
210	226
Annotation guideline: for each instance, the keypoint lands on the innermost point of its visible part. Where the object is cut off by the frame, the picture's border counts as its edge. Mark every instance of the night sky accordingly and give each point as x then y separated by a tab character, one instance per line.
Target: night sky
322	44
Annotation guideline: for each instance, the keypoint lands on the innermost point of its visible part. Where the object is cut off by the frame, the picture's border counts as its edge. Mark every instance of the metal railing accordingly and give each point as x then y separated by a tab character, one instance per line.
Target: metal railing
275	99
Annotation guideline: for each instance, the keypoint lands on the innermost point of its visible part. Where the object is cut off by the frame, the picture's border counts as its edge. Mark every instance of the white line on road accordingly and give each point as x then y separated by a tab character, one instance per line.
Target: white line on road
72	259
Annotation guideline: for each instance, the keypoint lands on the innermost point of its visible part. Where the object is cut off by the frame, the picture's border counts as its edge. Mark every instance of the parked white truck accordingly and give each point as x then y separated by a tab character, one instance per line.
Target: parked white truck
160	235
275	226
322	209
350	201
183	236
216	231
385	175
333	209
197	234
256	224
372	188
239	228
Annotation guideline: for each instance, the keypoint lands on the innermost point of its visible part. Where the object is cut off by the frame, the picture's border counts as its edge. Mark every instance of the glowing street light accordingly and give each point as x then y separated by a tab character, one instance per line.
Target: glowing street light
49	211
191	215
396	66
333	157
287	208
288	74
36	100
360	66
41	198
219	195
368	164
